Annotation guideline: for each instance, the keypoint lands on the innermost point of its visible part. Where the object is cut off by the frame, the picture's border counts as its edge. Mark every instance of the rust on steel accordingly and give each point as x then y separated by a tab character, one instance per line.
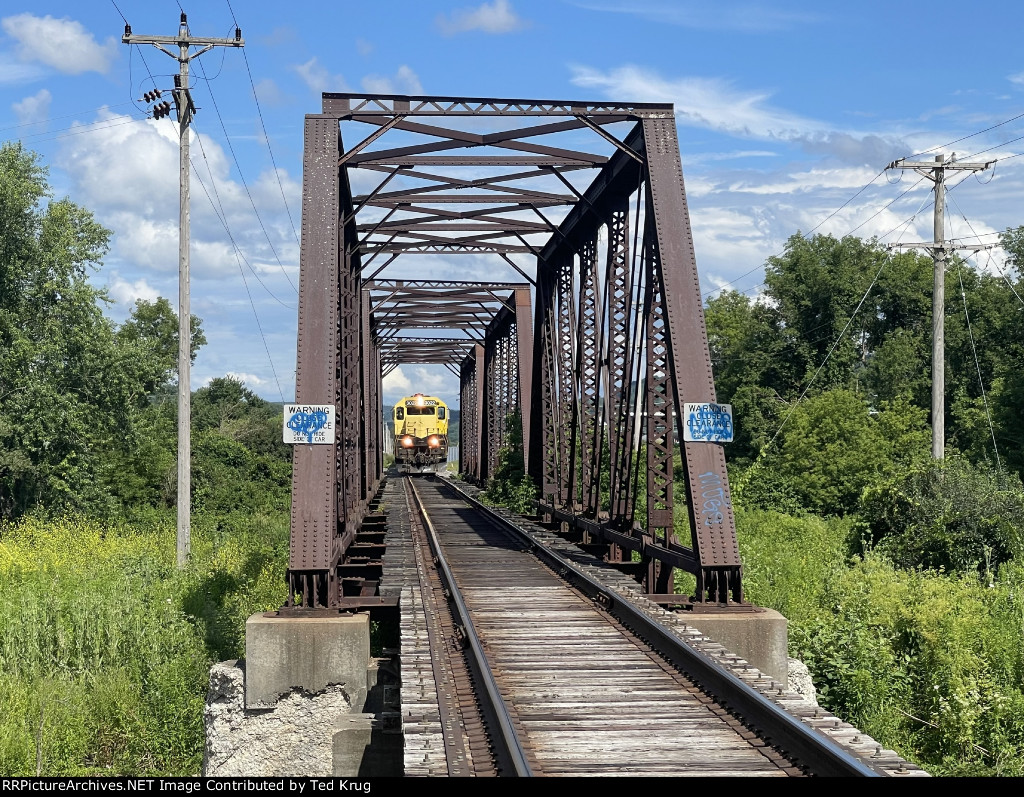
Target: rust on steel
592	344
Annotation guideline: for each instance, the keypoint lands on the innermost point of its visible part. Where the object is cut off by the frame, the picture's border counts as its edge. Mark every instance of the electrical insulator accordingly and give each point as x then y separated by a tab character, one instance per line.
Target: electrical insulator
177	81
161	110
149	96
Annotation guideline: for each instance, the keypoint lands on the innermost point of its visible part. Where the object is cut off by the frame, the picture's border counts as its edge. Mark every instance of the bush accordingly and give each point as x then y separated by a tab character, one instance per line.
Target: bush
106	646
947	514
928	663
830	450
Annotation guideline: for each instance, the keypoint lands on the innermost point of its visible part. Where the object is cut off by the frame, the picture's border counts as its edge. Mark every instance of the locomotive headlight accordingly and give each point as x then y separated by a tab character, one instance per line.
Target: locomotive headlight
407	442
433	442
419	399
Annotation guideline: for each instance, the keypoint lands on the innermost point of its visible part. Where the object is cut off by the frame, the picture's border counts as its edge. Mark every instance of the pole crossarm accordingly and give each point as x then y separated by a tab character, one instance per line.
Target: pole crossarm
946	246
927	168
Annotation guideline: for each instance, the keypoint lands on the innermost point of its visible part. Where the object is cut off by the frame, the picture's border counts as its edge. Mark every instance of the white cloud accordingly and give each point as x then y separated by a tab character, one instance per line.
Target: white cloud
716	104
34	109
803	182
496	17
702	102
14	73
748	17
127	173
396	382
251	380
124	292
429	380
318	77
1018	78
122	164
63	44
269	93
405	81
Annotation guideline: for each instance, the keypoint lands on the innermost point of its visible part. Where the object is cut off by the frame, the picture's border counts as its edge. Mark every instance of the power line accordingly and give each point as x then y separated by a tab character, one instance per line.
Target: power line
263	125
221	215
970	135
977	365
91	127
266	137
778	254
238	259
248	193
835	343
65	116
1001	273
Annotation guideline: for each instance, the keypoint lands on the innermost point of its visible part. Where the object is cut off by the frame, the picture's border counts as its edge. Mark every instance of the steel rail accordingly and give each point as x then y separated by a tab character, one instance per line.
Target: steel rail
511	750
813	749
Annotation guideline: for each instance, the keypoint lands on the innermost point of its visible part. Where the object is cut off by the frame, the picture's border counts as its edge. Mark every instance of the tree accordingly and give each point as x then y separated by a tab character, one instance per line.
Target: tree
833	447
947	514
71	385
154	327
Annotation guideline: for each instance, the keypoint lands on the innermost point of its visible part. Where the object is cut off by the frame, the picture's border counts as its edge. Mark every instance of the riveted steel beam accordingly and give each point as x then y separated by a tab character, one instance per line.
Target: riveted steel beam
596	374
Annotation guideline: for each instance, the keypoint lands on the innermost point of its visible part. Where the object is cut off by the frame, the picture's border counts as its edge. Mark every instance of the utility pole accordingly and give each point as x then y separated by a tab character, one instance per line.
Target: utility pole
940	248
186	109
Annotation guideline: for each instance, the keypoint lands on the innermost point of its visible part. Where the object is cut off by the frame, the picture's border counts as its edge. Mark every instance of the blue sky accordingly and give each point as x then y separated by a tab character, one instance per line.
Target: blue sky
786	110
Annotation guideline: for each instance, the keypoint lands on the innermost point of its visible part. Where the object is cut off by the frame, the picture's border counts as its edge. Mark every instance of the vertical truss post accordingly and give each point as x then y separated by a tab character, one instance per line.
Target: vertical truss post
544	467
659	410
492	407
470	378
588	367
350	500
522	365
314	518
566	416
617	383
371	416
712	522
478	412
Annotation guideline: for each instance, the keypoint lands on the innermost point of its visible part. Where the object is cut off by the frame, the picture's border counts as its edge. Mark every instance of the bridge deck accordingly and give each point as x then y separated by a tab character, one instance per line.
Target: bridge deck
585	699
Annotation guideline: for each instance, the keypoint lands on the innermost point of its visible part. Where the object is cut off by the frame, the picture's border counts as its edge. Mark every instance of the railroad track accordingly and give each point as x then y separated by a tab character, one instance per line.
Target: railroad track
543	668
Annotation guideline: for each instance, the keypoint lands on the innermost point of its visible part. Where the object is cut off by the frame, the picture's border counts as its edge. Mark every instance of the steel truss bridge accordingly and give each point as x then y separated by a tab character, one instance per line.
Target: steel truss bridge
594	352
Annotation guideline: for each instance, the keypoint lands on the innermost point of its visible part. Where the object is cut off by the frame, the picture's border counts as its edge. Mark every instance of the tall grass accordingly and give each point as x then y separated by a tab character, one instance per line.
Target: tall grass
105	645
929	663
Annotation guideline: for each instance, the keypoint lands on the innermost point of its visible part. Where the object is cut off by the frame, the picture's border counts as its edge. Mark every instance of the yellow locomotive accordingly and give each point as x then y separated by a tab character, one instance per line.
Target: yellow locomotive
421	434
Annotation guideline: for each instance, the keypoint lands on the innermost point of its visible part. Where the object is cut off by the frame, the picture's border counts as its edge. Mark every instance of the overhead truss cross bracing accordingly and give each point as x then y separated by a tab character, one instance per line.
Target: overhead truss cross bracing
587	349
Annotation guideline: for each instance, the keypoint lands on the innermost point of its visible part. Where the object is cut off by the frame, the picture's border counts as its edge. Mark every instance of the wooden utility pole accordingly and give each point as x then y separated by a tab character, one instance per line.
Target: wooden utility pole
185	111
936	172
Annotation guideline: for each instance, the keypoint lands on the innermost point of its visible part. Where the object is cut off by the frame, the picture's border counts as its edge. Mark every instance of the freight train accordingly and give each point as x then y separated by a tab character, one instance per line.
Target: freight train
421	434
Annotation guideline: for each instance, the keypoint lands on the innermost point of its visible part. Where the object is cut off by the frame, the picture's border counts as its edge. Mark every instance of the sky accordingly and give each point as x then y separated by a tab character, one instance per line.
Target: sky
788	113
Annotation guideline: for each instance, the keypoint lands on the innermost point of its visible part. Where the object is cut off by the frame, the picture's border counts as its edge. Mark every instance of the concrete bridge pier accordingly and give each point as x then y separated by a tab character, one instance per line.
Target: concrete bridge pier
307	700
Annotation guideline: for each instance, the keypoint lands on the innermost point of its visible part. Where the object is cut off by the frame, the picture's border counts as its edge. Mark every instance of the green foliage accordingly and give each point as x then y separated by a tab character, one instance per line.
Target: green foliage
106	645
927	663
73	387
104	642
947	515
814	288
510	486
831	449
153	328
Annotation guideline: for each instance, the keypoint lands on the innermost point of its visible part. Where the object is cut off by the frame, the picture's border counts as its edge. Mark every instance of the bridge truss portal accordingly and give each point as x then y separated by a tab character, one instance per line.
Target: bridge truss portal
594	352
